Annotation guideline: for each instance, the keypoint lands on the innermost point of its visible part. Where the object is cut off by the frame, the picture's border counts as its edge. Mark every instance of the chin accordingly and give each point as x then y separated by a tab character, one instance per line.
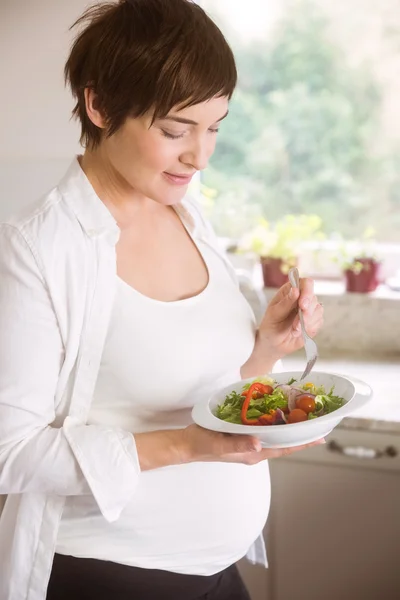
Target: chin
169	198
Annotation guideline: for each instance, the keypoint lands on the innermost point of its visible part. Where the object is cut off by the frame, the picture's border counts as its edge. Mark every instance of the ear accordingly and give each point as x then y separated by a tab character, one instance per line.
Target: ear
93	112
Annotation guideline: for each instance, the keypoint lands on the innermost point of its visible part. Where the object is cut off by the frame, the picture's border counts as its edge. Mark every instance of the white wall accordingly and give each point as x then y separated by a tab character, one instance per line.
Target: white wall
37	137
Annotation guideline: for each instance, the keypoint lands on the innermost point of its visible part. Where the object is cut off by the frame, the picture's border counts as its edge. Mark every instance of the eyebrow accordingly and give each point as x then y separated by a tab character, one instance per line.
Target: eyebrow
189	121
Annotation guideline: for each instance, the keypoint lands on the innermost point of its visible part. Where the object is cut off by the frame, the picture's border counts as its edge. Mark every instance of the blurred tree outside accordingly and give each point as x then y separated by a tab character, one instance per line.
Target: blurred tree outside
302	135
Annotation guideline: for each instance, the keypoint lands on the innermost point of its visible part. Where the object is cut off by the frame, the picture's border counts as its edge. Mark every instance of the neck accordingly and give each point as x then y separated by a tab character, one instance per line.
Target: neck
123	202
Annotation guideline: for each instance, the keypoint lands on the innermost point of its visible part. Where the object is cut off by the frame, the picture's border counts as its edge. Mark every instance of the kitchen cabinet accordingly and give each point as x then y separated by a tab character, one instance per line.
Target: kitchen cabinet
334	526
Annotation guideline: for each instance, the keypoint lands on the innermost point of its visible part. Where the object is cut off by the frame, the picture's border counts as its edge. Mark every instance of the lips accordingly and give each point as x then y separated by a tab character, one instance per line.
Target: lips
178	179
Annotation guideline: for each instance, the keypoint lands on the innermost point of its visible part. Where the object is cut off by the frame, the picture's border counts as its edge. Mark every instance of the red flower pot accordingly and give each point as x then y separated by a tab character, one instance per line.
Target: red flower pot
367	280
272	272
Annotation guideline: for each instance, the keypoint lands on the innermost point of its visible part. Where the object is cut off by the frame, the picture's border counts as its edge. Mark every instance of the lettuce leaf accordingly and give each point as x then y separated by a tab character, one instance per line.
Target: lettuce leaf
231	408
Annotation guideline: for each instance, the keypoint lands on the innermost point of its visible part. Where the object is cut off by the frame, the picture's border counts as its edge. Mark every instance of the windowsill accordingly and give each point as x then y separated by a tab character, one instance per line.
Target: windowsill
324	287
317	261
249	271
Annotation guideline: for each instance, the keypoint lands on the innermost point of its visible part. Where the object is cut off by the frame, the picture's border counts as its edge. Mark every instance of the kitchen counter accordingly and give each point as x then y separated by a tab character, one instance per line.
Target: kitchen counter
382	373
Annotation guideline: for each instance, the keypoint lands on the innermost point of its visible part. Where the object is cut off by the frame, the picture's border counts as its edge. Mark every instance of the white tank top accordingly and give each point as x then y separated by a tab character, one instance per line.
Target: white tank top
159	359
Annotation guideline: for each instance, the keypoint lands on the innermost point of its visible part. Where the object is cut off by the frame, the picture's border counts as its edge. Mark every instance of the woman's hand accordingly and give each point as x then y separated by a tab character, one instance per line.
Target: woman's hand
280	328
210	446
194	444
279	333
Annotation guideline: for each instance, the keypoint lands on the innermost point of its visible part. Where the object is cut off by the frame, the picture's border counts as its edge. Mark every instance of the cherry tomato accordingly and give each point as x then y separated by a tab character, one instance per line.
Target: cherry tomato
296	416
306	402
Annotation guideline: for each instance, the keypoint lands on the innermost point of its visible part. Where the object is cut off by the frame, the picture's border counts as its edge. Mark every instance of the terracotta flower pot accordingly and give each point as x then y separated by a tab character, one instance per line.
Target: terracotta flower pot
367	280
272	272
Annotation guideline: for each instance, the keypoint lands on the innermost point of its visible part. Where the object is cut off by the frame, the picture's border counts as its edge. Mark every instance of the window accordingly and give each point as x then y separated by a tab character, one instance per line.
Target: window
314	126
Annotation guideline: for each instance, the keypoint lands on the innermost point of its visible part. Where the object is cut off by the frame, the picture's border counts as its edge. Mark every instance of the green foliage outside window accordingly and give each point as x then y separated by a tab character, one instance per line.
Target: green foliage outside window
301	135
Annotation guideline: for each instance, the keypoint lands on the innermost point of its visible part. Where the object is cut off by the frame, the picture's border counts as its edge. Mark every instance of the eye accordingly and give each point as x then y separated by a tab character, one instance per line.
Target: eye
170	136
214	130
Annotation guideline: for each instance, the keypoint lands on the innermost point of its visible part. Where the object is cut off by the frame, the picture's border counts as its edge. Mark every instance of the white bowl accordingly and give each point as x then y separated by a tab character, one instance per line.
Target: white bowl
356	394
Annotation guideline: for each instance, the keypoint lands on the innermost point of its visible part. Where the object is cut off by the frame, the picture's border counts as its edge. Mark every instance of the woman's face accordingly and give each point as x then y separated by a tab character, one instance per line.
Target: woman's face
158	160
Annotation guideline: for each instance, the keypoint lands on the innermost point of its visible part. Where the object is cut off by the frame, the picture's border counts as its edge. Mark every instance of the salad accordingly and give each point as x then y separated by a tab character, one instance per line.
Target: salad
265	402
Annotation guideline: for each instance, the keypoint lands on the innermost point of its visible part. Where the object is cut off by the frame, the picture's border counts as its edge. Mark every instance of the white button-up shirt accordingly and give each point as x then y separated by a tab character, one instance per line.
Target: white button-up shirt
57	281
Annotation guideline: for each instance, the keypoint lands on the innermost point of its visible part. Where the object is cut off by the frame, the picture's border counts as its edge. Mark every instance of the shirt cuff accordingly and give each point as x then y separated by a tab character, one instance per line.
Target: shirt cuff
109	462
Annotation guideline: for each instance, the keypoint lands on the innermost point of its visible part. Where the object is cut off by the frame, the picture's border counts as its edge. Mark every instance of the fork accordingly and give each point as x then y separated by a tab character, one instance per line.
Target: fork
309	345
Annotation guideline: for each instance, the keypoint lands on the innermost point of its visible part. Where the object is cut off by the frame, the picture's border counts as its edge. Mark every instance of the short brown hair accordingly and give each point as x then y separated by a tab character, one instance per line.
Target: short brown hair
146	55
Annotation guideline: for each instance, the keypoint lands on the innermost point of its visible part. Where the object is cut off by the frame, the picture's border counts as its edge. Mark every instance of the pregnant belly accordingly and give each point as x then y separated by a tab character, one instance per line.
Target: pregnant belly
195	518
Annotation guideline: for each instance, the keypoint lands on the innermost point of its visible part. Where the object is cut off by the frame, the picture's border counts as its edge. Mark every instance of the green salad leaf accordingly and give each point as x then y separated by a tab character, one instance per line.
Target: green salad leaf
312	415
328	402
263	380
230	409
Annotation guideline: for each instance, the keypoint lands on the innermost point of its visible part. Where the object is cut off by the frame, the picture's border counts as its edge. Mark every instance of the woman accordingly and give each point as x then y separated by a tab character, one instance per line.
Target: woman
117	313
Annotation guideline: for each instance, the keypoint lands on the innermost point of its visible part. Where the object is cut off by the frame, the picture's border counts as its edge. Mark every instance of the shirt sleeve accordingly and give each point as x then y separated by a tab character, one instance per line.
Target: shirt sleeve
37	452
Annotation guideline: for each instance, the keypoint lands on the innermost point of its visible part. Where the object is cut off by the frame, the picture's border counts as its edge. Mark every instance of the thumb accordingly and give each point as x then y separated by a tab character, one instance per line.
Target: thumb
284	302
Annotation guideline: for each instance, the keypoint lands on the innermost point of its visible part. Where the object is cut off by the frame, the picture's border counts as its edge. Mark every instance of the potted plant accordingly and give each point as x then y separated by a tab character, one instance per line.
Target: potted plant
277	244
360	265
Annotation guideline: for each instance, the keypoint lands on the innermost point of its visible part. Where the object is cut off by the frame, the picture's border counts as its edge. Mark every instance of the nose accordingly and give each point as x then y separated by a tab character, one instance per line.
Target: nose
198	154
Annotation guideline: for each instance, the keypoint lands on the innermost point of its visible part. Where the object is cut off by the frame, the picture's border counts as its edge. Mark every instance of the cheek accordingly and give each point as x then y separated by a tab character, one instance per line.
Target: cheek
211	144
122	150
157	154
136	149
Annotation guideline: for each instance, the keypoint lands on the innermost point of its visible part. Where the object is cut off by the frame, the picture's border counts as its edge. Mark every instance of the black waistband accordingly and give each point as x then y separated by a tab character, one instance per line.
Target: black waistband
86	579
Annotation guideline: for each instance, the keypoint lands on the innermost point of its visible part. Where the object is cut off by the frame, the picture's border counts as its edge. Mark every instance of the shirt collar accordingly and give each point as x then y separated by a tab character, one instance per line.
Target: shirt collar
94	216
80	196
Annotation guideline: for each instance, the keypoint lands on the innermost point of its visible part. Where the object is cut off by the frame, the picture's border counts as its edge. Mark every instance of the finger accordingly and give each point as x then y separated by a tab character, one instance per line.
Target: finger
285	306
296	327
307	314
315	327
306	292
285	294
313	313
252	458
238	444
268	453
288	451
311	307
318	311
